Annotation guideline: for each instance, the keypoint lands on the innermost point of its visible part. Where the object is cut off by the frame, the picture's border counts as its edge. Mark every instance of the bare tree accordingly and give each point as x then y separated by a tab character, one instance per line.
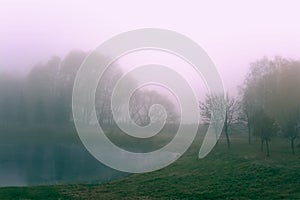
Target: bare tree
142	101
214	104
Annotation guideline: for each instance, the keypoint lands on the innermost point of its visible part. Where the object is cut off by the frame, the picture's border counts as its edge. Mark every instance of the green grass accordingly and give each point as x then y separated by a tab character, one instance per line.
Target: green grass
242	172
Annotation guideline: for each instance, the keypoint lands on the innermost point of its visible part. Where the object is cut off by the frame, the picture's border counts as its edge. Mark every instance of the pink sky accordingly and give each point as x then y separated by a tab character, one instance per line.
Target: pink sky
234	33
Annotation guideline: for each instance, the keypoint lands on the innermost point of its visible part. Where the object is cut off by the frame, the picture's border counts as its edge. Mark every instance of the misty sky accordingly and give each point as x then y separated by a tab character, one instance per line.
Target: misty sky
234	33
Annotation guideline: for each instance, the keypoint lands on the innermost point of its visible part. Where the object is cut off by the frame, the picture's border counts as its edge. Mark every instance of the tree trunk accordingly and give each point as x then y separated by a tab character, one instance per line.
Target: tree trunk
249	134
267	144
293	145
227	139
226	131
262	145
217	138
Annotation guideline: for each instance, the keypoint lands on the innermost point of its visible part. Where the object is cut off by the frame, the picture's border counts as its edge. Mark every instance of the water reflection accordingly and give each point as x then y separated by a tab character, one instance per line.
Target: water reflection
25	164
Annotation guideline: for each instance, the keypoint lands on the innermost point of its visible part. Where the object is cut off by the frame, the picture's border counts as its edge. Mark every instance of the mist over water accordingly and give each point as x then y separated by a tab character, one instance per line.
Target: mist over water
47	154
31	164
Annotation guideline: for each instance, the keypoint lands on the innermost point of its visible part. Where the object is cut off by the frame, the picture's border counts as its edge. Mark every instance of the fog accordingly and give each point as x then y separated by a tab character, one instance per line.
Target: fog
233	36
43	44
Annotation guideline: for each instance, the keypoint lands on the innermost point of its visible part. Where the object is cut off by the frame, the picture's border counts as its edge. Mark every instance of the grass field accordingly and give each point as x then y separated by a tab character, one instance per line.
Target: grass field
242	172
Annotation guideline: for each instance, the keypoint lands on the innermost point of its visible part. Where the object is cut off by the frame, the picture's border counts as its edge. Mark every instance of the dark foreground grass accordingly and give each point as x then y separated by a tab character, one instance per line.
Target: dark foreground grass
242	172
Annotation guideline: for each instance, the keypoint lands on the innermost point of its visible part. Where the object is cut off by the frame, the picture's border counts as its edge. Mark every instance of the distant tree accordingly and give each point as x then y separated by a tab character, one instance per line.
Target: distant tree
273	86
41	90
249	105
10	90
214	103
285	102
104	95
65	80
265	127
141	103
247	116
254	92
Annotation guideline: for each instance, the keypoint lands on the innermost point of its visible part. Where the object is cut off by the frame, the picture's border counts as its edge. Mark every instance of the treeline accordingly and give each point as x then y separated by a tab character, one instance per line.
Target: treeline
44	96
268	104
271	100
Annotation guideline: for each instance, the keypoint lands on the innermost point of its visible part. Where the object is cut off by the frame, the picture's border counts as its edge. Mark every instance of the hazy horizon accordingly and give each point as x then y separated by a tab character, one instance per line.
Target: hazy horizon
233	36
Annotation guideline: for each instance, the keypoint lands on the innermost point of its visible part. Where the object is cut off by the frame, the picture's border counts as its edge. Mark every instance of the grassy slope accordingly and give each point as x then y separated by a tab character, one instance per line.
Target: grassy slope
240	173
